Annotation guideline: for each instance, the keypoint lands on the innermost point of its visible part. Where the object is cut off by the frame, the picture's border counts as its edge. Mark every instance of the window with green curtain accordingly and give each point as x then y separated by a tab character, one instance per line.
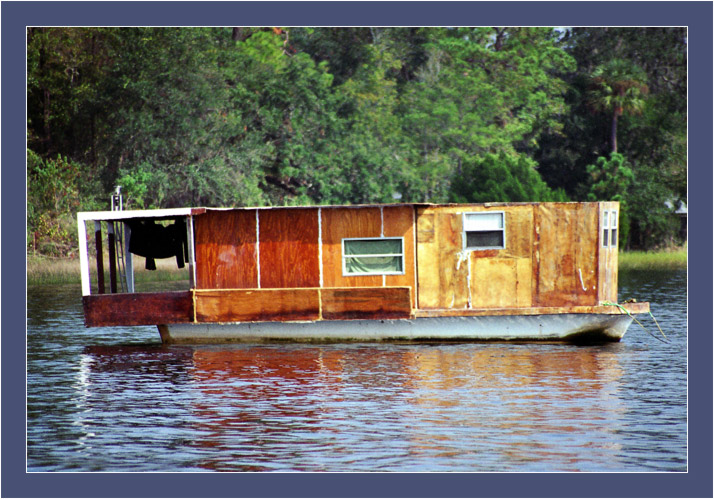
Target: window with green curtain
373	256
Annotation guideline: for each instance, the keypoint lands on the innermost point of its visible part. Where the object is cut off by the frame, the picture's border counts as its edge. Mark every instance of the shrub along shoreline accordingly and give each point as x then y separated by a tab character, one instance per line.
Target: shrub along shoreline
42	270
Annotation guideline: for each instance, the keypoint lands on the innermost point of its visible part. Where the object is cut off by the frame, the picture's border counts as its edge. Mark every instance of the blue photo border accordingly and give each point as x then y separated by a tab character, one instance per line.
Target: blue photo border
697	482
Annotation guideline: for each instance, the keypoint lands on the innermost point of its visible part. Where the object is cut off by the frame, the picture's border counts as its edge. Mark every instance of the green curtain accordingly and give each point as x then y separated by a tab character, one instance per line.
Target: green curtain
358	261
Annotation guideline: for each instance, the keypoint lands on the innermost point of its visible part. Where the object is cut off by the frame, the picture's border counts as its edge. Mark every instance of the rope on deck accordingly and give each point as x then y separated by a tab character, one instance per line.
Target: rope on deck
666	340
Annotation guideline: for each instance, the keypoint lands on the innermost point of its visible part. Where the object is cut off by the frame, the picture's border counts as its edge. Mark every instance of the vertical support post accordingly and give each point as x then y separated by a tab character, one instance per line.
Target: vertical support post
191	255
83	258
128	261
257	243
100	256
112	258
319	245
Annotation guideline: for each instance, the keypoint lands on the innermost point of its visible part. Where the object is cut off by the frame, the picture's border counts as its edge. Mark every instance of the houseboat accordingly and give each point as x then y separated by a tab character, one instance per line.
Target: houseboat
392	272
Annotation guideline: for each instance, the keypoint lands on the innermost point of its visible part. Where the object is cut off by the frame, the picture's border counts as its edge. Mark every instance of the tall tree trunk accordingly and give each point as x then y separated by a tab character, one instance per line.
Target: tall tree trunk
613	132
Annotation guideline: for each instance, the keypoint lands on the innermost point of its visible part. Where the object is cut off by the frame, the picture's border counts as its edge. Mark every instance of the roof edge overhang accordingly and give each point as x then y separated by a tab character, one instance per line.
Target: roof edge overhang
167	213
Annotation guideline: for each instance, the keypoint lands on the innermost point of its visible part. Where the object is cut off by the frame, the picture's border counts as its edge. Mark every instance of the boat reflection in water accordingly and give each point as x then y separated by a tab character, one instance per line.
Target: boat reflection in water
371	407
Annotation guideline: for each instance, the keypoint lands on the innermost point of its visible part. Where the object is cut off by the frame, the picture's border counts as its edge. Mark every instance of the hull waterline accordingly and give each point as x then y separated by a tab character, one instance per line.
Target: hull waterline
575	328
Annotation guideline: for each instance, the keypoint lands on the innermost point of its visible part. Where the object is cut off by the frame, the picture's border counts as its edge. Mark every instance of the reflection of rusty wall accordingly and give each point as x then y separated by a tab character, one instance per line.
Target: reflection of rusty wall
523	394
268	394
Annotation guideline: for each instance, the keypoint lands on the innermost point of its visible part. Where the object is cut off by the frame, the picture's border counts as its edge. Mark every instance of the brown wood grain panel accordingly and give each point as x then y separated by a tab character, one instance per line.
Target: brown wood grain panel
289	256
137	309
366	303
399	222
565	268
255	305
339	223
226	250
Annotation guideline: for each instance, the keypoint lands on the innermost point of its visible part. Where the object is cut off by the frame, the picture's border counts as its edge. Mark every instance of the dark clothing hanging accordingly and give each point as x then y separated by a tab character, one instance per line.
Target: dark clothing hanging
151	240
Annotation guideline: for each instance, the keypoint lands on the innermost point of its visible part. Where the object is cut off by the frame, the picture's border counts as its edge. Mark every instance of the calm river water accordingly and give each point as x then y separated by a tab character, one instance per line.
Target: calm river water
114	399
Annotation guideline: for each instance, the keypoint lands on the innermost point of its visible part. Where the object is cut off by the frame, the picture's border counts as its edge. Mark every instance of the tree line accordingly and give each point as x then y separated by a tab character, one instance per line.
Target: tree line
290	116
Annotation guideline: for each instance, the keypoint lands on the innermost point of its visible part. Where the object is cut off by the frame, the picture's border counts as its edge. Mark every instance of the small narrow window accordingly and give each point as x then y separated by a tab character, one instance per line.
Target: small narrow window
484	230
609	228
605	228
373	256
613	229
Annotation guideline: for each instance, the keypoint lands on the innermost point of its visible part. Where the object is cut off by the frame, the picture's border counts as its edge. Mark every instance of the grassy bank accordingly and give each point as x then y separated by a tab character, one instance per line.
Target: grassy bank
670	259
47	270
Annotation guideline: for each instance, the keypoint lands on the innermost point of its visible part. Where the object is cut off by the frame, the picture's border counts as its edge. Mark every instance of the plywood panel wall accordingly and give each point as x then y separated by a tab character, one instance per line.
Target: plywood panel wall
503	278
608	260
442	267
289	254
339	223
399	222
225	249
565	270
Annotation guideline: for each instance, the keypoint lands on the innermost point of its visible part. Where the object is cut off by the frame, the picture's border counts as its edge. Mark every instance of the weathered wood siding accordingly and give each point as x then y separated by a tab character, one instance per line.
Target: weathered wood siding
550	258
137	309
565	268
289	241
226	256
503	278
608	261
302	304
389	221
366	303
251	305
442	267
399	222
339	223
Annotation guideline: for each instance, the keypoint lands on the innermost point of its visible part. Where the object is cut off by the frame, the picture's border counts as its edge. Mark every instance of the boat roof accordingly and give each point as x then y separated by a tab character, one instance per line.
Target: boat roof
168	213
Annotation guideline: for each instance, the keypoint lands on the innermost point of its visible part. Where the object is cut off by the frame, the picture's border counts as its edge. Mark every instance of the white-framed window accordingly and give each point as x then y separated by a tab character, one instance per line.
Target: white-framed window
485	230
373	256
609	229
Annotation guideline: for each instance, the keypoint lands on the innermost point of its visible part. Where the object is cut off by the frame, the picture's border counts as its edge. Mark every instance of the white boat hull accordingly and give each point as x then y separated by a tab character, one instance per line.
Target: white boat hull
547	328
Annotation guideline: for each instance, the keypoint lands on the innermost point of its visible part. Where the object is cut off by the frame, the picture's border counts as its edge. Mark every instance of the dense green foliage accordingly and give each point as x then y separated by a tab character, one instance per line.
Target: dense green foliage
282	116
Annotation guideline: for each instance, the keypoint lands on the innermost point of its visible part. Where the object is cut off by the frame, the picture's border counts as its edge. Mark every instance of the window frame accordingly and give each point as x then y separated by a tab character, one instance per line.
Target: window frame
609	223
346	256
502	229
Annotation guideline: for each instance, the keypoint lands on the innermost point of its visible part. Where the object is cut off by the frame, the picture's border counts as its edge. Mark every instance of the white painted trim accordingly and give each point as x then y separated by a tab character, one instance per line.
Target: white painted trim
319	243
381	215
191	253
121	215
128	261
257	243
416	266
468	279
83	257
381	233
